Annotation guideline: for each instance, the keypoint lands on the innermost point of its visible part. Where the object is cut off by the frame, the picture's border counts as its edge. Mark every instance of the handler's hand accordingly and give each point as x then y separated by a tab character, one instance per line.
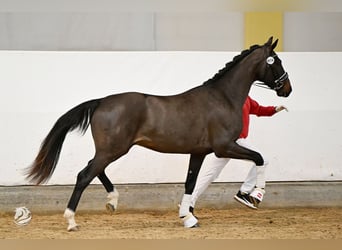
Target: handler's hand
280	108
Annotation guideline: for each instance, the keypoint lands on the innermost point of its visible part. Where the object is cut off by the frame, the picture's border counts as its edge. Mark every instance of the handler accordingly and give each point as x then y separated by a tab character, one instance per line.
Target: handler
252	190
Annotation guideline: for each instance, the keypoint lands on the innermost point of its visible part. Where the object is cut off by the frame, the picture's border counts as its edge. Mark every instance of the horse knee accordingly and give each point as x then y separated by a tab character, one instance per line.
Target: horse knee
259	161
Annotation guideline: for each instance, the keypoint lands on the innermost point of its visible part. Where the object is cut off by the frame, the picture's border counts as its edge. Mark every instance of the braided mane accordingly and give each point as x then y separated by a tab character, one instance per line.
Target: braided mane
231	64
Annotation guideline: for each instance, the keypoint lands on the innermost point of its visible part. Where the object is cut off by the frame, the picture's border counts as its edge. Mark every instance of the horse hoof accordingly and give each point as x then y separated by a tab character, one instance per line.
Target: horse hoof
73	228
190	221
195	226
110	208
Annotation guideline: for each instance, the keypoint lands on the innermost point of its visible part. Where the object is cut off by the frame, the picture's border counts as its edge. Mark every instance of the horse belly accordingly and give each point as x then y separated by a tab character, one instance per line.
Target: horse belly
174	144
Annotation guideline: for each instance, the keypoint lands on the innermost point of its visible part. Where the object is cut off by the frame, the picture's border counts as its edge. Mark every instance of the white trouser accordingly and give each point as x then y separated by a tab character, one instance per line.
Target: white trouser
212	167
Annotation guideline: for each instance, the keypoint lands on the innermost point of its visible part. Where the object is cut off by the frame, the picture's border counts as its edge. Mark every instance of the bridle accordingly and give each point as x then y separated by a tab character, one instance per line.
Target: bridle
279	82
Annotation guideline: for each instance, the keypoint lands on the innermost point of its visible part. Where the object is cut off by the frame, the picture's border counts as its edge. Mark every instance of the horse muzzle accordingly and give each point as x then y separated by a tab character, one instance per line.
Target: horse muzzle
285	90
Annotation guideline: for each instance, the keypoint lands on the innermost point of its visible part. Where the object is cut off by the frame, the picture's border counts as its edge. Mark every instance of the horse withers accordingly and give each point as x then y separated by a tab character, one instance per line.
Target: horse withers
122	120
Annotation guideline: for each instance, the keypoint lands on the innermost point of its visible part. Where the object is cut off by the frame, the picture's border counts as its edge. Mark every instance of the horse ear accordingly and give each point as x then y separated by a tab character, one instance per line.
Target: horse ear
274	44
269	42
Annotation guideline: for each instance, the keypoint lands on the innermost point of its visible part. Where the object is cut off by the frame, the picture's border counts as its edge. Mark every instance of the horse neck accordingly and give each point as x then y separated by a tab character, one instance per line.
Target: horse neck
237	82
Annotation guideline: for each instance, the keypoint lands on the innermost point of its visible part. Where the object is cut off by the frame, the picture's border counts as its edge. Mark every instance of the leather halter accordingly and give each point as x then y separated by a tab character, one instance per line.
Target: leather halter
278	82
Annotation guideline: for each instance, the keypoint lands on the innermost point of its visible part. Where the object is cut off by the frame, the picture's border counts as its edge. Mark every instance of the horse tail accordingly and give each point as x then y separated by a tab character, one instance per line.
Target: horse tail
45	162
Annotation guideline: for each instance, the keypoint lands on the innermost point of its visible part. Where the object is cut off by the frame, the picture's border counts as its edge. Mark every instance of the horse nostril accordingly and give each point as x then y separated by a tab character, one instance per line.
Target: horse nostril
283	93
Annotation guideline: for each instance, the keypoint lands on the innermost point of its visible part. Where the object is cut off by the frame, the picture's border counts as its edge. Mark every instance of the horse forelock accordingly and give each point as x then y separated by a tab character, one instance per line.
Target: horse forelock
231	64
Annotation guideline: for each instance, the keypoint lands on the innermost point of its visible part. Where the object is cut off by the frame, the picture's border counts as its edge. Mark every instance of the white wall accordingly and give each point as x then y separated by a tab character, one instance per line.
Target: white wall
158	30
38	87
312	31
130	31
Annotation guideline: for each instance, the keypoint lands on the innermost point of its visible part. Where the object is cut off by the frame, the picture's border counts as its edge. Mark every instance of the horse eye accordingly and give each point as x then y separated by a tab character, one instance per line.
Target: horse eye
270	60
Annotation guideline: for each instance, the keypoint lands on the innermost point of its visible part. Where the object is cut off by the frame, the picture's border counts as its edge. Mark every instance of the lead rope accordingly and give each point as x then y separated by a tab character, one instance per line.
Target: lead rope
261	85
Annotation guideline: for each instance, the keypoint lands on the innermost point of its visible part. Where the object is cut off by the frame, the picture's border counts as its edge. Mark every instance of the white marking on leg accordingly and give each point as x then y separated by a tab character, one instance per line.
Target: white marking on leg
69	215
190	221
113	198
185	205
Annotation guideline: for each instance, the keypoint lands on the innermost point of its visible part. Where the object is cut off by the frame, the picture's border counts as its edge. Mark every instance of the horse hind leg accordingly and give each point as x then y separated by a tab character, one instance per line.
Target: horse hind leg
93	169
69	215
113	194
113	199
83	180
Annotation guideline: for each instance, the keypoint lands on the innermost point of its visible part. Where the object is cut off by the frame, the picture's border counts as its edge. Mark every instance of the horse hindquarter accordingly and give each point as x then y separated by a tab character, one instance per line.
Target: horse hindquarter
115	122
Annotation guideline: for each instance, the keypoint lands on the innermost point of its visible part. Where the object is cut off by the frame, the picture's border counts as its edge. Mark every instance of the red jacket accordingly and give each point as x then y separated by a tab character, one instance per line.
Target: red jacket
252	107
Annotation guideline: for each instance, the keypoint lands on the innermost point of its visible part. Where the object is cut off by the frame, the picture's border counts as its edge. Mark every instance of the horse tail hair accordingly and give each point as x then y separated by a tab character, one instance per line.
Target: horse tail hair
45	162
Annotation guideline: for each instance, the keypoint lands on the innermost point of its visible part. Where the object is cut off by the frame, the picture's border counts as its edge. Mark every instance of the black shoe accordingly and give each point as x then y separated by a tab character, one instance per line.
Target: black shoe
245	199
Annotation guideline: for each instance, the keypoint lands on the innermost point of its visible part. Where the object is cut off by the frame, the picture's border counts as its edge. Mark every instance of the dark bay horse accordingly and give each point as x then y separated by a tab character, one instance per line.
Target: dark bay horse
202	120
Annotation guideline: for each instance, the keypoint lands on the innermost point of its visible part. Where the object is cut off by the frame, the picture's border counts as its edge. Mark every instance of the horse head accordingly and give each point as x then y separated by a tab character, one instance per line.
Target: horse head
272	72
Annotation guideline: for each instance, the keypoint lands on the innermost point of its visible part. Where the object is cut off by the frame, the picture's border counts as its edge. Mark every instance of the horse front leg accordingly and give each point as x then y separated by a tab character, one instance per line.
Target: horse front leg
255	181
113	194
195	164
235	151
185	209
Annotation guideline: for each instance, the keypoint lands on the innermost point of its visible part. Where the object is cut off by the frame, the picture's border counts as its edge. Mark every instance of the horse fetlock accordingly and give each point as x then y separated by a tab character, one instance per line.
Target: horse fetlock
68	213
184	207
112	203
113	195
